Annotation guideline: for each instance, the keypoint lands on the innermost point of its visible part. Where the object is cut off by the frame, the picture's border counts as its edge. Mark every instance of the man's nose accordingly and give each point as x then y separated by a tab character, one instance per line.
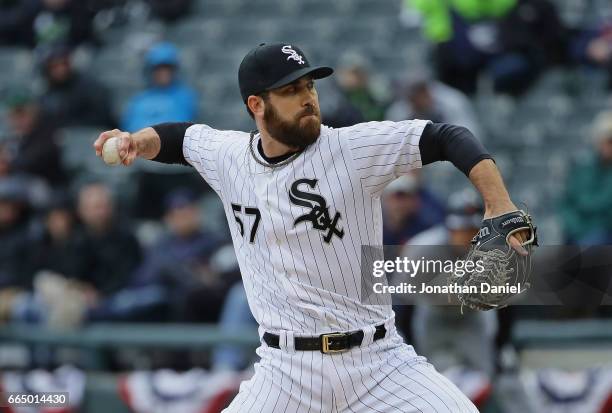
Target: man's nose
307	92
309	99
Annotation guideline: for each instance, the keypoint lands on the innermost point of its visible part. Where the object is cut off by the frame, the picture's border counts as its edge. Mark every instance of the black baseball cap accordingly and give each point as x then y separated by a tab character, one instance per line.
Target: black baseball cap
269	66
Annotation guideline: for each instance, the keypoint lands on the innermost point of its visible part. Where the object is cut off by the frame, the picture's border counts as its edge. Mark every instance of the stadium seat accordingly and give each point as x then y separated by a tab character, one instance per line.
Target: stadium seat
4	128
311	10
76	143
16	63
572	12
300	33
386	8
245	35
202	31
118	68
213	62
214	8
79	157
191	63
373	30
231	118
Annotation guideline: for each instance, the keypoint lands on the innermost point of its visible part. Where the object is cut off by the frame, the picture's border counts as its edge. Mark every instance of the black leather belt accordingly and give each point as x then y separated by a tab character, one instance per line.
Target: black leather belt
327	343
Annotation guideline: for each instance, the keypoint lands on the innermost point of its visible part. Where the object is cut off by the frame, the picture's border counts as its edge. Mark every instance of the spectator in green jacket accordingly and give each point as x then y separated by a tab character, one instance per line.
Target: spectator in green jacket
511	40
437	15
586	208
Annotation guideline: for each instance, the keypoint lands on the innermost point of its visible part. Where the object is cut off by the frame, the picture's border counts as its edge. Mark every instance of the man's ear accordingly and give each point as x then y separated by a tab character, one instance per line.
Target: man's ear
255	104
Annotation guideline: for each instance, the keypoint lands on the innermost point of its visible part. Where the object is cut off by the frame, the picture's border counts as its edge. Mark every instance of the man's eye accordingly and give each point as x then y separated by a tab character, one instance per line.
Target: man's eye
310	85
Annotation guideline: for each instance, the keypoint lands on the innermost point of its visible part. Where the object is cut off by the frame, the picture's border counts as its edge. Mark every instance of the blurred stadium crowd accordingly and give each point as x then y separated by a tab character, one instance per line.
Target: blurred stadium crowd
82	243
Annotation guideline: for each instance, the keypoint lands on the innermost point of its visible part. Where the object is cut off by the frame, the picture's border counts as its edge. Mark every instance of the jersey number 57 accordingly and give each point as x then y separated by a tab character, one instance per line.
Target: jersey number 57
237	209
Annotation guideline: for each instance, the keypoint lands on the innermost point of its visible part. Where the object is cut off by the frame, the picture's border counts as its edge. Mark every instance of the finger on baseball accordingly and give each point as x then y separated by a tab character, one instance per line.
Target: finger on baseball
129	158
124	141
99	143
517	245
128	161
104	136
124	144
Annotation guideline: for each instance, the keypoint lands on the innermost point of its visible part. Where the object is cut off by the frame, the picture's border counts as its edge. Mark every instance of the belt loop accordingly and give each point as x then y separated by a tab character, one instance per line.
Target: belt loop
368	335
390	327
290	344
282	340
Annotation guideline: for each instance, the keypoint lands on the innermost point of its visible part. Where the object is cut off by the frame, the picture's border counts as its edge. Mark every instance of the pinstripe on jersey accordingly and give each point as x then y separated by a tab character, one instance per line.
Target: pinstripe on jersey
305	277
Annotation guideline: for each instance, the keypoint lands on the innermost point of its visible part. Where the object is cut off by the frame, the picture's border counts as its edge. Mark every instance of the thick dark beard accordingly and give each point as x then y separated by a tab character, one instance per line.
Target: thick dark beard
292	133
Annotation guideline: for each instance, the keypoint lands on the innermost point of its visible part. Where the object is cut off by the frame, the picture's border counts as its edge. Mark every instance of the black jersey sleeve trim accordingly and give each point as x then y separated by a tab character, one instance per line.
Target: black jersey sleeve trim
171	136
445	142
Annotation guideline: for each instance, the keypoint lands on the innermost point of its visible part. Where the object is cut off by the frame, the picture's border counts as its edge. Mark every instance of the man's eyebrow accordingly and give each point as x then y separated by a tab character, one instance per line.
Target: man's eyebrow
296	82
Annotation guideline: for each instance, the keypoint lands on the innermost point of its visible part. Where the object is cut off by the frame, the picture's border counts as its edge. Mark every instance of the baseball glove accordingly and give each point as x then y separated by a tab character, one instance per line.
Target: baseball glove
501	266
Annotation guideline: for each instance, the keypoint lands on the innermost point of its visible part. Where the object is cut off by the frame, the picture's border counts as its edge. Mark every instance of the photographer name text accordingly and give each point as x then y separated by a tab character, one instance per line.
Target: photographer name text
483	288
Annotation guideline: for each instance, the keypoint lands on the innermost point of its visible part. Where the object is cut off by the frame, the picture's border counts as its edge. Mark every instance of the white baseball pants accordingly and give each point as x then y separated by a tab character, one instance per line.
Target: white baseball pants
382	376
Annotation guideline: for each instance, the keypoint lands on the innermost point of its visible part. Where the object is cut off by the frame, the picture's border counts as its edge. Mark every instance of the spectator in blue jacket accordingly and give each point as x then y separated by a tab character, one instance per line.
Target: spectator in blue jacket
167	98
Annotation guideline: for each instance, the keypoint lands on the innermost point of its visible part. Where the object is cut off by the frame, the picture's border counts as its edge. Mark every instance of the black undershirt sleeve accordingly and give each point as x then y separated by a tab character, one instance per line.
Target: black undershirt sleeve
445	142
171	136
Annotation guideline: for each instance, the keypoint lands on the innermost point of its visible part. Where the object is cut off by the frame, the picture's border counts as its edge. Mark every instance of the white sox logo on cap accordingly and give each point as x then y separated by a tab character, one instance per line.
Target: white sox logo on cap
293	55
270	66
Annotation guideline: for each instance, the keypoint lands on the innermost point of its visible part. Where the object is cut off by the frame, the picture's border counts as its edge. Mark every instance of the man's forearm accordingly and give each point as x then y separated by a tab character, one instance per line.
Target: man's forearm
147	143
486	178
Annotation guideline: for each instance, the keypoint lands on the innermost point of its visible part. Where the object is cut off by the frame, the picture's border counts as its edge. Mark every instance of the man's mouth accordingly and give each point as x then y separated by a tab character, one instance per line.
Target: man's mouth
309	114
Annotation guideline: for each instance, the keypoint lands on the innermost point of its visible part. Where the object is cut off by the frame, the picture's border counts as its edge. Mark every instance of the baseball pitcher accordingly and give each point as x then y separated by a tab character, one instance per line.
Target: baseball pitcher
301	199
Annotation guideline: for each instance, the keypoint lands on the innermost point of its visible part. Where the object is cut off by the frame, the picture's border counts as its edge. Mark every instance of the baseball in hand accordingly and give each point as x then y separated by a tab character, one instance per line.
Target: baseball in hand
110	152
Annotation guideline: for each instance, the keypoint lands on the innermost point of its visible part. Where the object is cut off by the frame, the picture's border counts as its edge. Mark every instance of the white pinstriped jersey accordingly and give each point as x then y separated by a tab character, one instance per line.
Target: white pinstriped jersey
298	228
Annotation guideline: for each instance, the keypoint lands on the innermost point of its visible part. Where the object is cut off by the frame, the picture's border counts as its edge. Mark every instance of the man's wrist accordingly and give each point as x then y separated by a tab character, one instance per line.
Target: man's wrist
496	209
140	146
147	143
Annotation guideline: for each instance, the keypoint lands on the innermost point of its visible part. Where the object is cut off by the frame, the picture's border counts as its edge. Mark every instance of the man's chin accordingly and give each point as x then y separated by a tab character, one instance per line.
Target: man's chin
314	127
301	134
311	121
